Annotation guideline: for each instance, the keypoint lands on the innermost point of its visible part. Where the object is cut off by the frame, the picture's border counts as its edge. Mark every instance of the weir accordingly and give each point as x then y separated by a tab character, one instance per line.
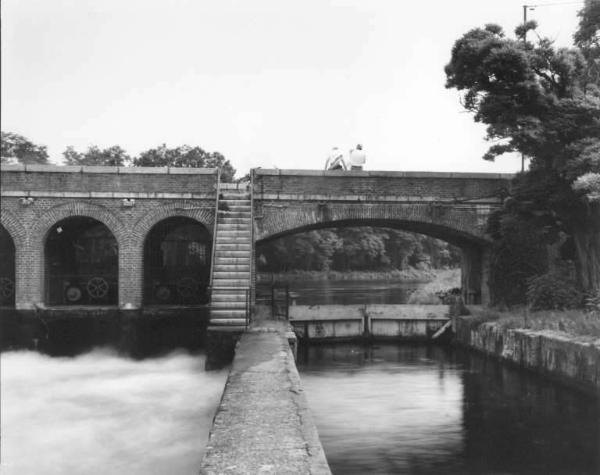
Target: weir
263	424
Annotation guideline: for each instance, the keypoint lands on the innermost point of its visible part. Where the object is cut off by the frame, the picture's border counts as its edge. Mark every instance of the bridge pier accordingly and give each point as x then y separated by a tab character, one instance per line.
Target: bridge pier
475	269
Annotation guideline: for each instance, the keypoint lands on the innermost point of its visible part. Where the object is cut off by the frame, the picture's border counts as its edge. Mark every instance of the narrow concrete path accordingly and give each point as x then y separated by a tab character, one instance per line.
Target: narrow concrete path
263	424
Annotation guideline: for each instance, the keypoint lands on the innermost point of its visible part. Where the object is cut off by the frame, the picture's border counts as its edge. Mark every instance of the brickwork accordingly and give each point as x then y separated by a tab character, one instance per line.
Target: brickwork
35	198
450	206
130	201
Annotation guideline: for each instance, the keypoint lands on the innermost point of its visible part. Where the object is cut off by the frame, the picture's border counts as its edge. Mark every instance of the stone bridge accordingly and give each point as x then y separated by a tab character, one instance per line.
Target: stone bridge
453	207
64	227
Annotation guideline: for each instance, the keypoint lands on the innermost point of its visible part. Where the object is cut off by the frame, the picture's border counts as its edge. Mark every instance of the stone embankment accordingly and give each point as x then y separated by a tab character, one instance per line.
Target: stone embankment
574	360
263	424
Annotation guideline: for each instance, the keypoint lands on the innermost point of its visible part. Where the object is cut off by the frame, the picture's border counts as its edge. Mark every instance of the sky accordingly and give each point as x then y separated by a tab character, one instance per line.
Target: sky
268	83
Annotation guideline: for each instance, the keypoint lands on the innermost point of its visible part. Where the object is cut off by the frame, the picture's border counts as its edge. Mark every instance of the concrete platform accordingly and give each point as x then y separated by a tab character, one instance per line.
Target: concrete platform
263	424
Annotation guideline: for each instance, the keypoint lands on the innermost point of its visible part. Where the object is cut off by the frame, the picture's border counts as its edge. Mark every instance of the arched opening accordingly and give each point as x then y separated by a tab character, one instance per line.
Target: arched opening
82	265
7	268
361	263
177	259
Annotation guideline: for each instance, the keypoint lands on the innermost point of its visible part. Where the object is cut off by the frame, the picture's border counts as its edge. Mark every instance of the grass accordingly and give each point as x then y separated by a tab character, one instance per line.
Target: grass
444	280
573	322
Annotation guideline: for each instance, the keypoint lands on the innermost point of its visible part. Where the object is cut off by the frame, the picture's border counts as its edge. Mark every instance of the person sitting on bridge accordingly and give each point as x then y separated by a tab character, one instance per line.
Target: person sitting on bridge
357	158
335	160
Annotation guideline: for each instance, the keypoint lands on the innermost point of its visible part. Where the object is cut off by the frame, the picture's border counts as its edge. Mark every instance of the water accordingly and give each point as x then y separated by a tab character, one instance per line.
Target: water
422	410
347	292
99	413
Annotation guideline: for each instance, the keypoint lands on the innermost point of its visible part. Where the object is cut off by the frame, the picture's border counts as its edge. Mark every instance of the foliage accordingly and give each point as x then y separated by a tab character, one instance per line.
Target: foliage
518	253
185	156
552	291
15	147
545	103
355	248
113	156
574	322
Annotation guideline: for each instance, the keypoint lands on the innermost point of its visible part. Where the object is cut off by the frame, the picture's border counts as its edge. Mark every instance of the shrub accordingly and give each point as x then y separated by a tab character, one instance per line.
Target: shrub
552	291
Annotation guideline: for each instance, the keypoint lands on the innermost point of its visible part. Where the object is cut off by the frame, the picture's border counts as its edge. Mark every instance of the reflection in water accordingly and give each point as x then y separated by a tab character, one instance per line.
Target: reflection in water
420	409
99	413
346	292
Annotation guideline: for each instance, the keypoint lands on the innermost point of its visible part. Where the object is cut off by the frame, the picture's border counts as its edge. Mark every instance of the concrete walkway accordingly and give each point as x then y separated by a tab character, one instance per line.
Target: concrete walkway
263	424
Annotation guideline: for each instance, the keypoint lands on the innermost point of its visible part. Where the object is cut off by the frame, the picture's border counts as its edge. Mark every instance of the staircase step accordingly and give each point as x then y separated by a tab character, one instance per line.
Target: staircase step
230	246
229	253
239	208
232	233
228	268
228	261
228	295
231	200
218	313
232	282
233	227
228	220
226	305
233	214
230	275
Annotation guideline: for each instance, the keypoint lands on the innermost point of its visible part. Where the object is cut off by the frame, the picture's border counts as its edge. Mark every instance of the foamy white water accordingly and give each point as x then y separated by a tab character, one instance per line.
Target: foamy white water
100	413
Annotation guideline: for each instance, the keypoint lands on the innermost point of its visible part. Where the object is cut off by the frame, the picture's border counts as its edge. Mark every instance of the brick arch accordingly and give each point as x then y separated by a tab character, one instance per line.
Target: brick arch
79	209
134	244
14	227
49	218
204	215
460	226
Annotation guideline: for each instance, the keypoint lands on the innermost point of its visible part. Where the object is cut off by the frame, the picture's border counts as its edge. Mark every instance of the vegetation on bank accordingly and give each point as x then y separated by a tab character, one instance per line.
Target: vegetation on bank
385	251
431	293
576	322
544	103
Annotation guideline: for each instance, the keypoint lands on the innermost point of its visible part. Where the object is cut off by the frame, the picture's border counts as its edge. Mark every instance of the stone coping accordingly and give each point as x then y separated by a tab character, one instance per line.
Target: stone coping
380	173
108	194
116	170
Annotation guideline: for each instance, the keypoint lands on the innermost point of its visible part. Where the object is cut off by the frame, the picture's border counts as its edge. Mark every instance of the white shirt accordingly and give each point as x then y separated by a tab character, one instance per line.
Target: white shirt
357	158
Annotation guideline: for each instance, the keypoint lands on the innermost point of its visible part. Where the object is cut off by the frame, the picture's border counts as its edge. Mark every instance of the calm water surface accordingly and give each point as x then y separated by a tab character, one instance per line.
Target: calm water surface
416	409
338	292
99	413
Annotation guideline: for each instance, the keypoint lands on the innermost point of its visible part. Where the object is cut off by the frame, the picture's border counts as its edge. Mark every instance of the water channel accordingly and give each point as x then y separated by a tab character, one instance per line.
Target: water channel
379	409
392	408
348	292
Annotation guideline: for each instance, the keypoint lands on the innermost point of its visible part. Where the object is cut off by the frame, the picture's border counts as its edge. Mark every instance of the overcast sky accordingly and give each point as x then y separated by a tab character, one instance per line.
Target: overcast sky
265	82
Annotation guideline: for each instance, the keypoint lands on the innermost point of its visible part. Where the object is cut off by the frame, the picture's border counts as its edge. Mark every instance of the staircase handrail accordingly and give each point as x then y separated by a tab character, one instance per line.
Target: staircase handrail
216	223
252	247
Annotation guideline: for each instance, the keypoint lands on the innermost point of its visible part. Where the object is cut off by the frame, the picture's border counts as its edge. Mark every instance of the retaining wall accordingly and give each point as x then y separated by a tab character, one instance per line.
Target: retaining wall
574	360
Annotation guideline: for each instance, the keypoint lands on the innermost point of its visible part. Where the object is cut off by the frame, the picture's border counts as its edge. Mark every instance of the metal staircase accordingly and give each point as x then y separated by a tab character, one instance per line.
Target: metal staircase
231	271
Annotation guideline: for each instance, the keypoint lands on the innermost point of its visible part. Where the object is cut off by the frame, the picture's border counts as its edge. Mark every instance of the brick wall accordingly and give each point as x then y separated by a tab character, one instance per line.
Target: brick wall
420	186
35	198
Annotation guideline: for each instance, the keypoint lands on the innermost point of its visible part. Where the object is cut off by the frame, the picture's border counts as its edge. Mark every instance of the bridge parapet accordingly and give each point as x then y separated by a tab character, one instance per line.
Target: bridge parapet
381	186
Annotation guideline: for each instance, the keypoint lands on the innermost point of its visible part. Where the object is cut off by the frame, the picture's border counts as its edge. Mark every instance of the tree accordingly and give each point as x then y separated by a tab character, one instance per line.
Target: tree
113	156
185	157
545	103
15	147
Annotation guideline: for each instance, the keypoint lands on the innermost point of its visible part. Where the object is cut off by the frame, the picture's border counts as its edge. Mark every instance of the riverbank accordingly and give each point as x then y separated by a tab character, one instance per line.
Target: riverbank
570	357
444	280
408	275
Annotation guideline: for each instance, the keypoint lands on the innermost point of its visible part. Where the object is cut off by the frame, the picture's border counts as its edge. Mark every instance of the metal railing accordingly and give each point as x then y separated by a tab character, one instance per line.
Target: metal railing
214	243
280	302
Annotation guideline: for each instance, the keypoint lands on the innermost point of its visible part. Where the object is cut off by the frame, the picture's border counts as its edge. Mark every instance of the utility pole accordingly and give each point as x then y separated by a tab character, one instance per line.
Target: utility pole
525	8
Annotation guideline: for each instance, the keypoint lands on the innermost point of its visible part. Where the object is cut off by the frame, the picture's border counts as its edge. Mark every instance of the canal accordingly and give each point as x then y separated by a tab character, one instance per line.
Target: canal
346	292
393	408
